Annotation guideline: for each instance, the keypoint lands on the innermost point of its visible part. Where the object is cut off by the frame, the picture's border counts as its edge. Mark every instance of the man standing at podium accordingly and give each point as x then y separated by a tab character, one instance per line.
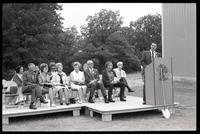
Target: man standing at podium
147	58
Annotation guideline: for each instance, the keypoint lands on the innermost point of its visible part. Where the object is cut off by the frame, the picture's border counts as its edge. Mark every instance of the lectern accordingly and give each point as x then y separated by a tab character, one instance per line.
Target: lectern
159	82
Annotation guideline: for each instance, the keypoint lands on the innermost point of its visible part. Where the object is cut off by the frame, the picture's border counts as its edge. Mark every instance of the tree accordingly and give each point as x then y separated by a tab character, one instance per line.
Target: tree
98	28
147	29
69	40
30	33
119	46
101	25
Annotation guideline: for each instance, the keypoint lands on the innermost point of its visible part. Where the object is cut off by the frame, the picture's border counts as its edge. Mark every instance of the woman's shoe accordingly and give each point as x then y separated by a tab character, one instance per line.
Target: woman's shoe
111	100
32	106
79	101
52	105
21	102
67	103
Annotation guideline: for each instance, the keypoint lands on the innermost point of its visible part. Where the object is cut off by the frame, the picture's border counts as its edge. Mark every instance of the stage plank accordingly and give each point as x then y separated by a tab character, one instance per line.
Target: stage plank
133	104
43	109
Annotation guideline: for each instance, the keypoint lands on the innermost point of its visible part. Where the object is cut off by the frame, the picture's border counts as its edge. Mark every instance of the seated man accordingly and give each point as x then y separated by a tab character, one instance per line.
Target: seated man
93	82
121	74
111	81
30	85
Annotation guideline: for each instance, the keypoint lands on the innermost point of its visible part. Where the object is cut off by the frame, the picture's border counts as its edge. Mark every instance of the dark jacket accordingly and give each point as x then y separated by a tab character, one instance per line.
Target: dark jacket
146	58
105	78
89	77
28	79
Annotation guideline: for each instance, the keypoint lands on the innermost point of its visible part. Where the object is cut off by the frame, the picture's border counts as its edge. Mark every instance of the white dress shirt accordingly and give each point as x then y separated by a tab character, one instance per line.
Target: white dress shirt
120	73
153	53
56	78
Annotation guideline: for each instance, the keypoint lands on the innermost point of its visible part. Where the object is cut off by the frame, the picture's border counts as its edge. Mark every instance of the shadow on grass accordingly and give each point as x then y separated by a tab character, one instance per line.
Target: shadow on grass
133	115
41	117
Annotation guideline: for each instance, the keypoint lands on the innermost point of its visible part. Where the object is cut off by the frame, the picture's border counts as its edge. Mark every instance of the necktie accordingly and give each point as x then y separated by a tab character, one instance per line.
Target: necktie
120	73
91	72
152	55
61	80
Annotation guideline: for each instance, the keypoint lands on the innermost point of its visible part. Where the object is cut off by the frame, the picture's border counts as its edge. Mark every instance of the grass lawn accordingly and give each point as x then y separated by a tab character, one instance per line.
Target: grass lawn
184	117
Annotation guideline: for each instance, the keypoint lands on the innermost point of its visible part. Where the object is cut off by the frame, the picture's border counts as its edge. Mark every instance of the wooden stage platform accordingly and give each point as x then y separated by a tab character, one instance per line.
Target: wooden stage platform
43	109
133	104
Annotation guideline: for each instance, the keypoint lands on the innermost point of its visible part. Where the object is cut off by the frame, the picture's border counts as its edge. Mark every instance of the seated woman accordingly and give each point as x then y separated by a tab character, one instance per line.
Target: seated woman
61	83
52	69
44	81
77	81
17	78
85	67
110	81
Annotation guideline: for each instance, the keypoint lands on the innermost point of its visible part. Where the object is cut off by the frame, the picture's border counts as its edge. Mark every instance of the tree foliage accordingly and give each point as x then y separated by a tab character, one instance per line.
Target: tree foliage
34	33
101	25
30	33
147	29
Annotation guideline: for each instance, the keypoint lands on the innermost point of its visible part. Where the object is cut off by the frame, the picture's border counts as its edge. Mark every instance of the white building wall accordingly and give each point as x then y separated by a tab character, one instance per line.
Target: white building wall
179	37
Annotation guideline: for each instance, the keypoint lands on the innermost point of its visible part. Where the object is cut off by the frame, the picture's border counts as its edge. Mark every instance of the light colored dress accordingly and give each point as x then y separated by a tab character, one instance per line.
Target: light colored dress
57	81
77	77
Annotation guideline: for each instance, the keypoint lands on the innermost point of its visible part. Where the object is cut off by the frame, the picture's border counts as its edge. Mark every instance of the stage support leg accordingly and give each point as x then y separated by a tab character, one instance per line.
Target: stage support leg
86	111
76	112
5	121
91	113
106	117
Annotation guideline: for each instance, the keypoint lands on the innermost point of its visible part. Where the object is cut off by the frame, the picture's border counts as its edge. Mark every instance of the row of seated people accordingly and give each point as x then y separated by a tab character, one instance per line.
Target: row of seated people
38	82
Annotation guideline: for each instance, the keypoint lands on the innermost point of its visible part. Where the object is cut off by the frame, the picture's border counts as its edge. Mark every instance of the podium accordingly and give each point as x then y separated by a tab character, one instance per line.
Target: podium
159	82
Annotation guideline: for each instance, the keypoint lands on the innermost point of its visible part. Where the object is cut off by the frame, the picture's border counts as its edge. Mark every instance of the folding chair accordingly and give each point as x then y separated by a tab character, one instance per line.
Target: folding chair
97	95
74	94
10	92
116	93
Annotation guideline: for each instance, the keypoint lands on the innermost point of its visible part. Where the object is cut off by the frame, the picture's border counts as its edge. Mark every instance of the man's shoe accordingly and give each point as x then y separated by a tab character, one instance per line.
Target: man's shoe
52	105
111	100
67	103
130	90
144	103
32	106
122	100
61	103
106	100
42	100
90	100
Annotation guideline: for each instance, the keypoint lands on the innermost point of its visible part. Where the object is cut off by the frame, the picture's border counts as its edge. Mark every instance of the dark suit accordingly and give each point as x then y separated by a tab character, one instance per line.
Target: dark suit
145	61
107	83
89	76
30	85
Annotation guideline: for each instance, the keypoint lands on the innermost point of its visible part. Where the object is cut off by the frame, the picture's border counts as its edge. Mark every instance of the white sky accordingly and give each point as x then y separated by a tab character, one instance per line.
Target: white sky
75	14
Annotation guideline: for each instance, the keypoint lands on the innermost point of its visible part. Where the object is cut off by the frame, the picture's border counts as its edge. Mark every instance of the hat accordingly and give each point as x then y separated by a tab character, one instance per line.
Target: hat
119	63
76	63
90	62
58	64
